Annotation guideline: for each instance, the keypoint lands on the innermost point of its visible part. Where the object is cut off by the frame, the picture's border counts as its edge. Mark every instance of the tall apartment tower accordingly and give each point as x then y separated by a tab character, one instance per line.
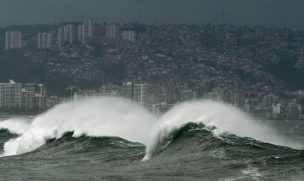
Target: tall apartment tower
44	40
136	92
85	31
128	36
13	39
65	35
82	37
10	95
60	37
33	96
68	33
89	27
28	99
111	31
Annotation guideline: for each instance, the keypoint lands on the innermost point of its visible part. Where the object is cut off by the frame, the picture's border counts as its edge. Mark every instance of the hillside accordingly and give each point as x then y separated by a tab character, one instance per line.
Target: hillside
205	57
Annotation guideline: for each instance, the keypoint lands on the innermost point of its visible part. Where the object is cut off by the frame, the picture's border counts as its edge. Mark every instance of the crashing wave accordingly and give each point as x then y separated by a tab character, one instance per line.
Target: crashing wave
105	116
117	117
219	117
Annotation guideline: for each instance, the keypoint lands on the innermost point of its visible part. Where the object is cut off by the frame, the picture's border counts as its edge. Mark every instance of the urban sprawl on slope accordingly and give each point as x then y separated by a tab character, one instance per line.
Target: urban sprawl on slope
161	65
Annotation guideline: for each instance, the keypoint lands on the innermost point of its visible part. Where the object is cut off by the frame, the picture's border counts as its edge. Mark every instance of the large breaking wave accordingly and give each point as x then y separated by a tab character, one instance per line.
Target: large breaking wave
117	117
218	117
97	117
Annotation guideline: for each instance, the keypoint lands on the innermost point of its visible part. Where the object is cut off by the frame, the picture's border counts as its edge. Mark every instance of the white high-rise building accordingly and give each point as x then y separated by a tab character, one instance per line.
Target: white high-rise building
44	40
13	39
60	37
127	90
68	33
85	31
136	92
39	93
65	35
140	93
82	34
128	36
10	95
28	99
111	31
89	27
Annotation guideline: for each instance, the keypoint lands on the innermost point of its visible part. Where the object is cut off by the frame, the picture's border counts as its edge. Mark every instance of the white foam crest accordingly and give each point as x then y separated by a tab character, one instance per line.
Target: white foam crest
225	118
109	116
103	116
15	125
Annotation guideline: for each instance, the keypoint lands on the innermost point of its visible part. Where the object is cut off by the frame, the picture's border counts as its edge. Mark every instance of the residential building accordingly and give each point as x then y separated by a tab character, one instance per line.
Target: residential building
111	31
85	31
82	38
128	36
65	35
39	92
68	34
28	99
89	27
136	92
109	89
10	96
44	40
13	39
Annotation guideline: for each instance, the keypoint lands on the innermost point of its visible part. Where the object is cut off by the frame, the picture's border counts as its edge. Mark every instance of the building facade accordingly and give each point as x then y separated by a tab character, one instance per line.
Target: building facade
111	31
13	39
136	92
85	31
128	36
89	27
82	38
10	96
66	34
44	40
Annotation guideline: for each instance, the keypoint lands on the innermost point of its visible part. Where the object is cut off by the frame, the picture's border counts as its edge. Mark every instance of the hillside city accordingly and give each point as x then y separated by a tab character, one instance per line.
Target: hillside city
158	66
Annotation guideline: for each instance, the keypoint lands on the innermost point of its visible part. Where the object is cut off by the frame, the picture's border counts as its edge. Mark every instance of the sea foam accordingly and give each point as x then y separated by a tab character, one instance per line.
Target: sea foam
118	117
221	117
104	116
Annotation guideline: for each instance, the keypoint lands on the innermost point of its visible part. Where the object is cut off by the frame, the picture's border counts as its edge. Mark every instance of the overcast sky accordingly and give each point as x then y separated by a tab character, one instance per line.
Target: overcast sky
279	13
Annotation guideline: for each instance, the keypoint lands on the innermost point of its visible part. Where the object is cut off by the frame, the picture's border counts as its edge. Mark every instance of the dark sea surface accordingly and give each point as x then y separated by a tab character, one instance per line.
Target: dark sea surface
189	144
194	153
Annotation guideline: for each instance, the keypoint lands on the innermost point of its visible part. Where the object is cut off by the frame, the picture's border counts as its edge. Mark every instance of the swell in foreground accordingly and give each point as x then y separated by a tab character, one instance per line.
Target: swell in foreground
108	137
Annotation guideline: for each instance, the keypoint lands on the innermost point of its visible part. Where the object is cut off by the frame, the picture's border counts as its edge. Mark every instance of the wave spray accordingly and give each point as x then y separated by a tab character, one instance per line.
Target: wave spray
96	117
220	117
117	117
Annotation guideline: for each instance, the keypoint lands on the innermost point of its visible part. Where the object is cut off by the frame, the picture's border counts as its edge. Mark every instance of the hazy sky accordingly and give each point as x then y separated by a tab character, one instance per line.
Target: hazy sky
283	13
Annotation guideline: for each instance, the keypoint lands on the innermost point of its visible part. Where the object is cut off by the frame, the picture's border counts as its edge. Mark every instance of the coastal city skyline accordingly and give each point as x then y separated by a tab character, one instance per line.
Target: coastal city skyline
151	90
271	101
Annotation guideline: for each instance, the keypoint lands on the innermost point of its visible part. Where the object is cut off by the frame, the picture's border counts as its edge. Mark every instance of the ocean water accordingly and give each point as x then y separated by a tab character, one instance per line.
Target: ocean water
116	139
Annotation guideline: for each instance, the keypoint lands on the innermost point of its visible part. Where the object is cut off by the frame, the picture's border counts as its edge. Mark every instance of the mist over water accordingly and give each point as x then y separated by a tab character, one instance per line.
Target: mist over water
15	125
96	117
221	118
117	117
